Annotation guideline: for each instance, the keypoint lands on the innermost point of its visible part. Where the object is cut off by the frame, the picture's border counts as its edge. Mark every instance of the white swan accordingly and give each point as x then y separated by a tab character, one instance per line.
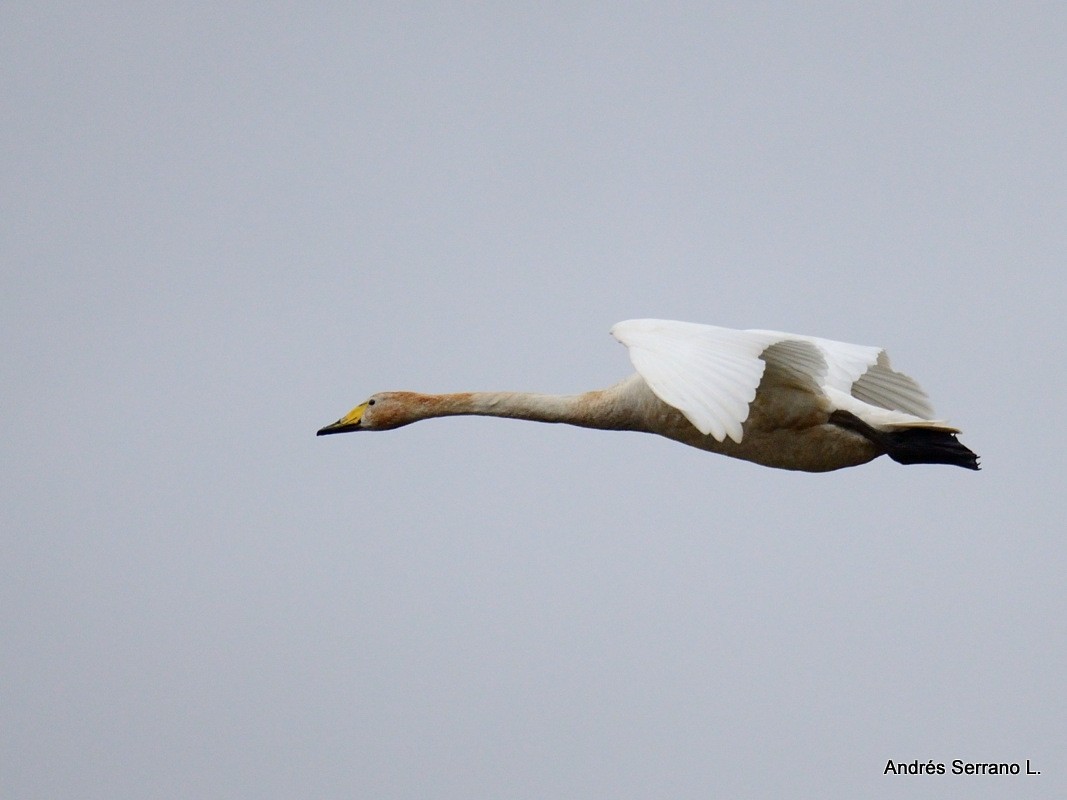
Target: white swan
779	399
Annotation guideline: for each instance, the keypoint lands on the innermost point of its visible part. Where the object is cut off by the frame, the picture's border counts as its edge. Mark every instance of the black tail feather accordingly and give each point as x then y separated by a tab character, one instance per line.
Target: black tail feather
927	446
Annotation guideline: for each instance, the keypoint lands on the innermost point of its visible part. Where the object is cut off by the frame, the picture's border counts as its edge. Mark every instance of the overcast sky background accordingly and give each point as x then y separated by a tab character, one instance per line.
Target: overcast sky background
224	226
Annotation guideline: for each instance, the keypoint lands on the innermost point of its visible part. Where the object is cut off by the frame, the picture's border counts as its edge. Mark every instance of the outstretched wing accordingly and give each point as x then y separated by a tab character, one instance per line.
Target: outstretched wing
710	374
864	372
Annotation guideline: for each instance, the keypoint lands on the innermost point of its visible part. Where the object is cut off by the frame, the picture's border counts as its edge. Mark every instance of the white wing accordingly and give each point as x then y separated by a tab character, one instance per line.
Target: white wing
882	386
711	374
864	372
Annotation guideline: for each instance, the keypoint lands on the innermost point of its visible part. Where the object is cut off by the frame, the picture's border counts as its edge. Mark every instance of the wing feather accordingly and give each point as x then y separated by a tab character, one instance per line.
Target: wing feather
887	388
864	372
710	374
799	362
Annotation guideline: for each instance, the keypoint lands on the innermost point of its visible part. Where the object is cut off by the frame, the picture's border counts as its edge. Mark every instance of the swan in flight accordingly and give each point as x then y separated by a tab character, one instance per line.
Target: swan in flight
778	399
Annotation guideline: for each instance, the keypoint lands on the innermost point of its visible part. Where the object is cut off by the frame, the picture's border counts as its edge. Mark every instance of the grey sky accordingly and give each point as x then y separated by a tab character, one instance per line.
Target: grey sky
222	227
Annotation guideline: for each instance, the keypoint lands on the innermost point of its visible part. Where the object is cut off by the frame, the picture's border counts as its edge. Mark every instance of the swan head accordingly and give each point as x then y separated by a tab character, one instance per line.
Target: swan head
381	412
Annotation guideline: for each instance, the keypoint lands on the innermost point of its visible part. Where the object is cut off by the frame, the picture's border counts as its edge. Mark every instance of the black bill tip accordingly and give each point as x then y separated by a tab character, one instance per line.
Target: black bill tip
337	427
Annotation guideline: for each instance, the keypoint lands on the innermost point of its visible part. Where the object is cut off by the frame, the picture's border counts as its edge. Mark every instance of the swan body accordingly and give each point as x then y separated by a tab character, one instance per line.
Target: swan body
778	399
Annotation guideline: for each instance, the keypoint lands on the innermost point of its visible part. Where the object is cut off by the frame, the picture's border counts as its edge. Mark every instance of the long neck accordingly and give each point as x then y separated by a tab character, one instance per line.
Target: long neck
600	409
